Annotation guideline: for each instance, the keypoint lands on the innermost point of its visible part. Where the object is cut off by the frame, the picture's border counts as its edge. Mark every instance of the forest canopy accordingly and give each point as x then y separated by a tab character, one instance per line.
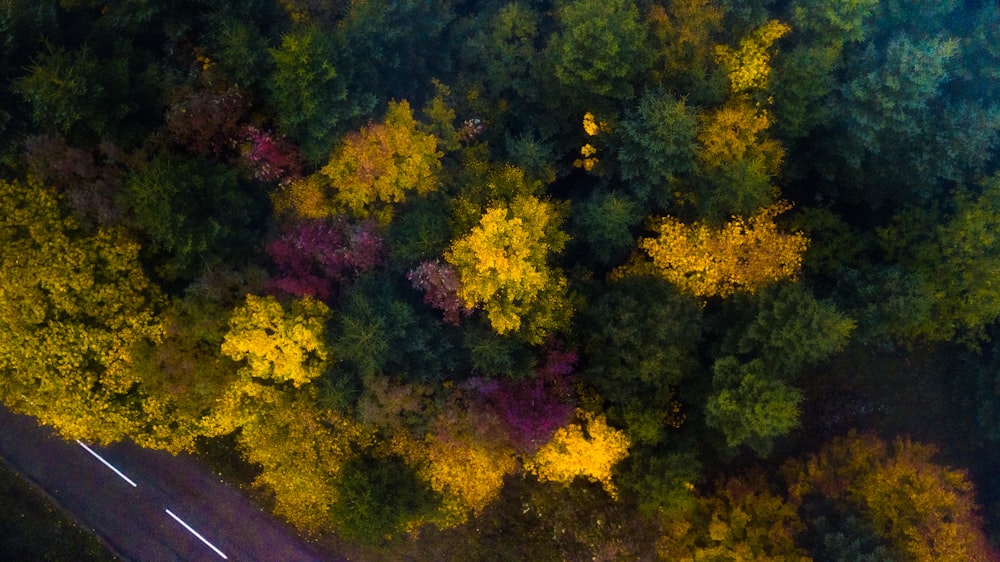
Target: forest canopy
543	280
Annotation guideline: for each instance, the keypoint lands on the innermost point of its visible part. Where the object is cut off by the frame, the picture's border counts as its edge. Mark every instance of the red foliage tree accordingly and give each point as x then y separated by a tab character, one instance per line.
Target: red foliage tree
270	157
315	257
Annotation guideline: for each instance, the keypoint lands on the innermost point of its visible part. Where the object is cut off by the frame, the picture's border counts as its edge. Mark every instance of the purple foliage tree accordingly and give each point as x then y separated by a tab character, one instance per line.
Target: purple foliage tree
440	283
533	409
314	257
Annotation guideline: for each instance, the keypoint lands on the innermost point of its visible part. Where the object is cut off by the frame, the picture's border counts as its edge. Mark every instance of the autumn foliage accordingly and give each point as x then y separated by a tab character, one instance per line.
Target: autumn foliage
743	255
590	448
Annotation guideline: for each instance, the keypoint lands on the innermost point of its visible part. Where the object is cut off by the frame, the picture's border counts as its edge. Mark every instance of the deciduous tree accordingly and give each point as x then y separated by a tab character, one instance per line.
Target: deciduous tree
74	306
503	265
745	254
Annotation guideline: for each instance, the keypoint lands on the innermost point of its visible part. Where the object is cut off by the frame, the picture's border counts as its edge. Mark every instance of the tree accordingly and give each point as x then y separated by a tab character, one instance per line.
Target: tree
74	306
684	32
745	254
383	161
599	50
370	170
317	257
185	372
640	343
925	510
378	497
308	91
901	102
601	227
741	520
950	259
793	329
738	161
748	67
194	214
657	147
64	91
573	453
750	406
464	463
439	282
503	267
279	343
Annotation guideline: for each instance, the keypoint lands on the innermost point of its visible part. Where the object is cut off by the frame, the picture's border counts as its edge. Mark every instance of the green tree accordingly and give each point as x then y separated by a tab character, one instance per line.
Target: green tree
600	50
657	147
601	227
63	90
194	214
950	258
793	329
378	497
750	406
309	92
641	339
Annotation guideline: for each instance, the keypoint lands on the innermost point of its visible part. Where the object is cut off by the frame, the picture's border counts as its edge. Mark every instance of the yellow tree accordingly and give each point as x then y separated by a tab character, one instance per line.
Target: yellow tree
503	268
466	468
589	449
745	254
369	170
749	66
73	307
285	345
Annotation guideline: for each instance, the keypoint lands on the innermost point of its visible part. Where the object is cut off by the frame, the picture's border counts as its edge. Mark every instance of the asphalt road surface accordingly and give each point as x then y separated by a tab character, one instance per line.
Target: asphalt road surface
149	506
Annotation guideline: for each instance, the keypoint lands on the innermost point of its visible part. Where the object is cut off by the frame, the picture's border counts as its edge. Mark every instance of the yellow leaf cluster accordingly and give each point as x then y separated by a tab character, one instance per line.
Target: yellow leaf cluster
279	344
735	131
592	127
502	263
590	451
745	254
381	162
74	306
749	66
467	471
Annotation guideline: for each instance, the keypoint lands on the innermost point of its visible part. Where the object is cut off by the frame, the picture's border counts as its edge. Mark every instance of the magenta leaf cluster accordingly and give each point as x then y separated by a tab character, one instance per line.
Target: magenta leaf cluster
315	257
439	283
533	409
271	157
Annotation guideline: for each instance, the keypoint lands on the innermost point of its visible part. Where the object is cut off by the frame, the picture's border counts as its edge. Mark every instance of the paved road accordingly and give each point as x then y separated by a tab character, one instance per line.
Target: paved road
134	519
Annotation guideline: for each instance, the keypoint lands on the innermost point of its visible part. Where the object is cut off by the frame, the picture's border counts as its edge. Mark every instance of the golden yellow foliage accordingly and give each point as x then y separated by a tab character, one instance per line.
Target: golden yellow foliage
592	127
749	66
736	131
380	163
745	254
369	170
590	449
469	472
279	344
300	450
502	265
73	306
303	198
